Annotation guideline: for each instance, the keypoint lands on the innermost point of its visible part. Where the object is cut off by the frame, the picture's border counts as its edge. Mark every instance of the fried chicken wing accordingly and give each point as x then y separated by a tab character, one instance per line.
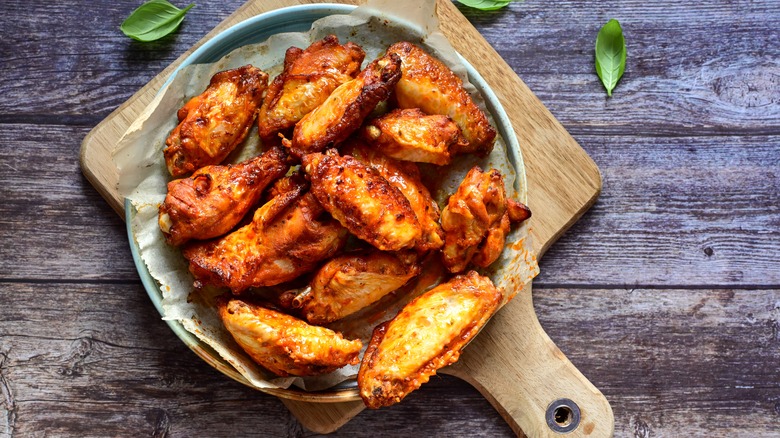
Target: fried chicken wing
362	200
290	183
518	212
490	249
411	135
428	84
477	219
428	334
344	110
287	237
308	78
285	345
215	198
405	177
352	281
212	124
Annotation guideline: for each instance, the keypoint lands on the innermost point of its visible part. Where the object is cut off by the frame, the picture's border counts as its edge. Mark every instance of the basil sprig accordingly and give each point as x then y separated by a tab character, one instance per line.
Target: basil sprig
610	54
486	5
153	20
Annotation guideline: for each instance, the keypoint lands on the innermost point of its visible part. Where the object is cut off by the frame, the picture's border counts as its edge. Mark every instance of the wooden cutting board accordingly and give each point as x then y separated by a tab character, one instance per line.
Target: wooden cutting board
512	362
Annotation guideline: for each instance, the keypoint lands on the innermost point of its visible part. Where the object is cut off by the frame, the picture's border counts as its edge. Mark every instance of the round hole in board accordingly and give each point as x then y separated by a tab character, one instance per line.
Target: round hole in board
563	415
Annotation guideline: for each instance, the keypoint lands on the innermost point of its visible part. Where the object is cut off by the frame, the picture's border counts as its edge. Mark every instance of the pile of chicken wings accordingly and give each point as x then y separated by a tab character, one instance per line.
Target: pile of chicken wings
339	171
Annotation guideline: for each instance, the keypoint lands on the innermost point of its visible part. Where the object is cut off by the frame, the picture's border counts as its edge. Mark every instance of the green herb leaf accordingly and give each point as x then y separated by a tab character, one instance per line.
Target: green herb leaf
153	20
610	54
486	5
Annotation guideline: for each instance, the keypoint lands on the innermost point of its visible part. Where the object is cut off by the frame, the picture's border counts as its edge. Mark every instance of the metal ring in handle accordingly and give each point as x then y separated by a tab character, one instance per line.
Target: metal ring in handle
563	415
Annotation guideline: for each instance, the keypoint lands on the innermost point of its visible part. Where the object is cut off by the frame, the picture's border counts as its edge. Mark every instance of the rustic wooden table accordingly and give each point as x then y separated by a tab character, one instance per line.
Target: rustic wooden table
666	294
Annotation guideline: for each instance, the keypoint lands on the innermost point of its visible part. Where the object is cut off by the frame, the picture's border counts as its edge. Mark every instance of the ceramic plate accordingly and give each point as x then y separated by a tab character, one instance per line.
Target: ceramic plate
255	30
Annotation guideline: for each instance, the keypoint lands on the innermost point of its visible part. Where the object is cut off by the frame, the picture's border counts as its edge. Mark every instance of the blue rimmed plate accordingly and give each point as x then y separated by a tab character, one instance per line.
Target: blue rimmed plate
255	30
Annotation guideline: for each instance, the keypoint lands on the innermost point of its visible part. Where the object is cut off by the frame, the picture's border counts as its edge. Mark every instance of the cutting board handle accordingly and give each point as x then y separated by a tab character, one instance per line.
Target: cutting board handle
516	366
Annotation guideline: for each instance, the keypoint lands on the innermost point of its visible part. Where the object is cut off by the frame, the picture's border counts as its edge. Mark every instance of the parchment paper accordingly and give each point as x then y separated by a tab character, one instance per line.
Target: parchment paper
143	178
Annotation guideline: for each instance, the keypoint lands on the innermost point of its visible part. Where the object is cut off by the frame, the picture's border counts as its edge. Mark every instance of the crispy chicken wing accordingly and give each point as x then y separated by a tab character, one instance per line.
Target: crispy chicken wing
411	135
428	84
285	345
518	212
491	247
215	198
405	177
344	110
352	281
362	200
290	183
428	334
287	237
308	78
476	220
215	122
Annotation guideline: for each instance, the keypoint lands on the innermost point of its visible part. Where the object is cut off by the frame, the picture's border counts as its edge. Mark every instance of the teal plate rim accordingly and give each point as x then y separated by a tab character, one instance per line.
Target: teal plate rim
253	30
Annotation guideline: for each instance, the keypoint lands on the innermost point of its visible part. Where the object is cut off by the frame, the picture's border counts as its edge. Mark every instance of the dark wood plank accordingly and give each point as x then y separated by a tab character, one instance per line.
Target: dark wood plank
690	71
87	67
53	224
96	360
673	211
674	360
676	211
690	155
693	68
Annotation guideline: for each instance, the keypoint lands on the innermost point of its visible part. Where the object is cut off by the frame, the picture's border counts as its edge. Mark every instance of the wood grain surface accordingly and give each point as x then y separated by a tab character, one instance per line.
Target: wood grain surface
666	294
562	183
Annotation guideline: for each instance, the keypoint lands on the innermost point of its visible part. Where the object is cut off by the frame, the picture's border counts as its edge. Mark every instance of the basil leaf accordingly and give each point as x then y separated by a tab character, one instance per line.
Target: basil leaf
153	20
610	54
485	5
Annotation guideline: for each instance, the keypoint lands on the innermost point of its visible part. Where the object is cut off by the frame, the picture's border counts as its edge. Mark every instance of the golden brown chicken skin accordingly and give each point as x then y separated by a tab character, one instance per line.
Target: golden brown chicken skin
344	110
491	247
405	177
411	135
290	183
349	282
476	220
308	78
426	335
363	201
283	344
215	198
212	124
287	237
428	84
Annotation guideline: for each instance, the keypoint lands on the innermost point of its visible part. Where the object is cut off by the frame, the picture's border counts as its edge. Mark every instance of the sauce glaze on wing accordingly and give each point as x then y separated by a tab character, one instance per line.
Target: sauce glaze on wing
288	236
362	200
477	219
428	84
426	335
213	123
283	344
308	78
411	135
344	110
349	282
404	176
215	198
